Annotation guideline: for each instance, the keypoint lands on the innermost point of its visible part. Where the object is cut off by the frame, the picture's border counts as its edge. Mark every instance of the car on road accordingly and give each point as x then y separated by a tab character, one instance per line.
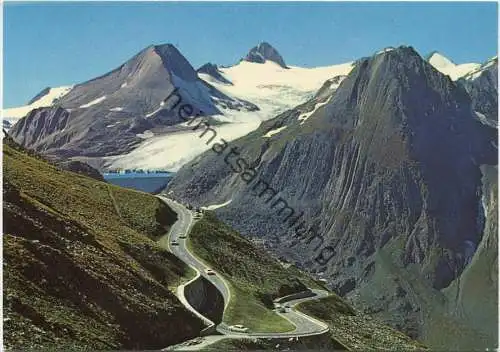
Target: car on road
182	237
238	328
174	243
209	272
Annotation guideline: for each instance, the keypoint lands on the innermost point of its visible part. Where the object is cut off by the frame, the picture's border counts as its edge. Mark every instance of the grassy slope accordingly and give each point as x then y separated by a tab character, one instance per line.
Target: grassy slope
464	315
356	331
437	327
473	297
76	274
254	272
255	279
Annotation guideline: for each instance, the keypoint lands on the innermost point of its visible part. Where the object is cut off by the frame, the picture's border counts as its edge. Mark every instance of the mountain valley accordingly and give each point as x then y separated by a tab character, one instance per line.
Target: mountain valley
372	181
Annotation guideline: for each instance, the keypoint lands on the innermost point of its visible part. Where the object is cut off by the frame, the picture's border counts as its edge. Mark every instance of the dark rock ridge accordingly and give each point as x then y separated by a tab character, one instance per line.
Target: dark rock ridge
6	125
213	70
104	115
482	85
263	52
43	93
387	176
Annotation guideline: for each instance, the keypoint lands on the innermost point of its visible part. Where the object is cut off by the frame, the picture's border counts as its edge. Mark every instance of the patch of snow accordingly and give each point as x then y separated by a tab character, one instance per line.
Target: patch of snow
14	114
303	118
490	63
116	109
481	116
476	73
386	50
154	112
147	134
484	120
216	206
448	67
273	132
334	83
93	102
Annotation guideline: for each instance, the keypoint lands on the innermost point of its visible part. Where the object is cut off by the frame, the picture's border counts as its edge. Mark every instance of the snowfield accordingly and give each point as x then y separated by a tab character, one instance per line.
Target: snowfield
272	88
448	67
14	114
171	151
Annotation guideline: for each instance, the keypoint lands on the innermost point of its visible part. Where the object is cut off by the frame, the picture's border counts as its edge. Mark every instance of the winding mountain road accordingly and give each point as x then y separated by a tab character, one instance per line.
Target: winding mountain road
304	324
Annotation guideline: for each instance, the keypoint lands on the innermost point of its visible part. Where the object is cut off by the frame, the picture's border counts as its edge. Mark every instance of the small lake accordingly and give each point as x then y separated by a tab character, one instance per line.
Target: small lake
145	182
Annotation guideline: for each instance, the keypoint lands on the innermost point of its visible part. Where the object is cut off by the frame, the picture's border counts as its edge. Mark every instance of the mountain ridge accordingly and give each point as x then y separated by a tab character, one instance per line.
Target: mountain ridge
263	52
366	168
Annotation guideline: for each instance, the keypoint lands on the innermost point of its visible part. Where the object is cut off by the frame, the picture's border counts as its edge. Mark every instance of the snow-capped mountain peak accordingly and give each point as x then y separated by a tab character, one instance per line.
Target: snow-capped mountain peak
175	62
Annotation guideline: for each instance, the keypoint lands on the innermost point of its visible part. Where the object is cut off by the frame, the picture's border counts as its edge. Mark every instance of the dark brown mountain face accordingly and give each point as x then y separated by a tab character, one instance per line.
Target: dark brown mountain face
386	171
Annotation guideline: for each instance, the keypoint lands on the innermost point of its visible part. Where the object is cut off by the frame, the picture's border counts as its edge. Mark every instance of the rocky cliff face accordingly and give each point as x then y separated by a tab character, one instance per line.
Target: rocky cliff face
214	72
369	184
482	85
264	52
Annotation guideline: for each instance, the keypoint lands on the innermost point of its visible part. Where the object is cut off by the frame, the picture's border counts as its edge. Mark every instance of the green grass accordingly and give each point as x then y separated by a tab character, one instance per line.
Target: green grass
153	215
433	313
77	273
255	277
245	308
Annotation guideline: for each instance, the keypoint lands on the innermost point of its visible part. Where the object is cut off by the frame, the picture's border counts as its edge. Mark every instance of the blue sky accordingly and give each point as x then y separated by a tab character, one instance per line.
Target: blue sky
52	44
